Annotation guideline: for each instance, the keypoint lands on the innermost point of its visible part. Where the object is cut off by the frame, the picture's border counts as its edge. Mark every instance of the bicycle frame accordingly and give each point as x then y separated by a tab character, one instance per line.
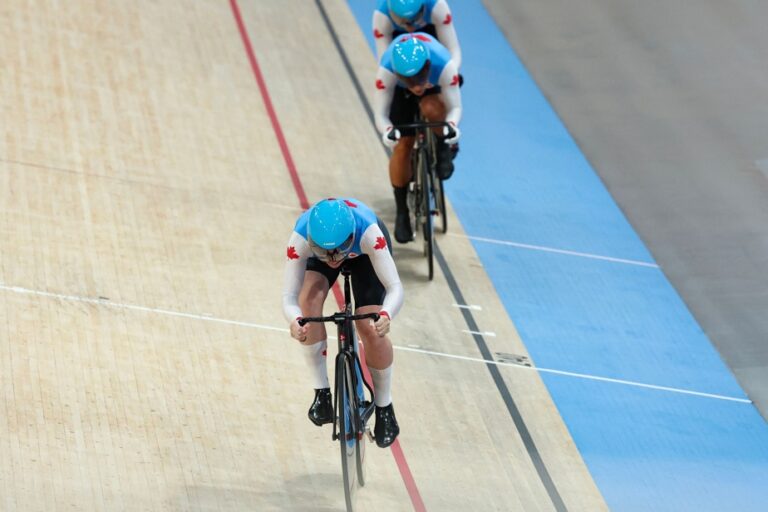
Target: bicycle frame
427	191
349	429
347	345
348	353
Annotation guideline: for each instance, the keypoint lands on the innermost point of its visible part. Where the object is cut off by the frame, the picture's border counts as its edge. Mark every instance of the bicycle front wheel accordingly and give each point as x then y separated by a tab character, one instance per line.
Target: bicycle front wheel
345	394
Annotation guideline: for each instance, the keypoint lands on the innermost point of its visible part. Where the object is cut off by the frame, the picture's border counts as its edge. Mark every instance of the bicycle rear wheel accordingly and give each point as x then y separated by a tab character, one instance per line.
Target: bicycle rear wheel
439	191
436	188
428	207
360	446
346	418
360	408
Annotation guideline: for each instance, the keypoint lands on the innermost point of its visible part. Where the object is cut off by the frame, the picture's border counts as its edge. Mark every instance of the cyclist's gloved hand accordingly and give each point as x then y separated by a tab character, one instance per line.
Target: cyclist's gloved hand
299	332
455	136
382	324
391	136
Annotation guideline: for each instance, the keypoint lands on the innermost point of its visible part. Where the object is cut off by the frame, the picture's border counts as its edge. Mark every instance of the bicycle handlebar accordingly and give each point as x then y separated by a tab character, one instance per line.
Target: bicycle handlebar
424	125
336	317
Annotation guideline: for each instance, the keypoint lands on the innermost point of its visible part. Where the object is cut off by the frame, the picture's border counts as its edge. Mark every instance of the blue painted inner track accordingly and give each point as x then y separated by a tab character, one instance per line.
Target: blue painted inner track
521	178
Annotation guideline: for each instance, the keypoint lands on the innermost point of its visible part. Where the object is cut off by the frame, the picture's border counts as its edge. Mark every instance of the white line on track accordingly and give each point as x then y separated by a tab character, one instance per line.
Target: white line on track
109	303
558	251
467	306
577	375
411	348
481	333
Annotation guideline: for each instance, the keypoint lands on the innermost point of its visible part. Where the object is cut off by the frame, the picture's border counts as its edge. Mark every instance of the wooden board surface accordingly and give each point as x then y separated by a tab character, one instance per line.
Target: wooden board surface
144	208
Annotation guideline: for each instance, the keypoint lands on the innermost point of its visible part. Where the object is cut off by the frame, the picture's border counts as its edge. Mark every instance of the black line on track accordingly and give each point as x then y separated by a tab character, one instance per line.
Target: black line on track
514	412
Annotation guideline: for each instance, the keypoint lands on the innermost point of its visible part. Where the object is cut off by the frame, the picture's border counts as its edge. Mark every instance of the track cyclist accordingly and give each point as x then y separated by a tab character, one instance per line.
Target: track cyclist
416	73
392	18
331	233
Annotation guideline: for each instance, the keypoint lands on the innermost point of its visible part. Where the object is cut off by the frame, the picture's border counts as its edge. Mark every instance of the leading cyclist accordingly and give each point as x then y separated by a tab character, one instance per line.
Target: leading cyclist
332	232
416	73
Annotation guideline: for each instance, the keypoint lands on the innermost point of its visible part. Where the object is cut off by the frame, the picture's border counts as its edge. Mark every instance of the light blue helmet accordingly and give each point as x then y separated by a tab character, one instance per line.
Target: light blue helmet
331	229
405	10
409	56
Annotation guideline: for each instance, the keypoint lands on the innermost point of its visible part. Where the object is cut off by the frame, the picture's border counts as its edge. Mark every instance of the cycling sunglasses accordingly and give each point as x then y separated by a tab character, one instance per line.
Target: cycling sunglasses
336	254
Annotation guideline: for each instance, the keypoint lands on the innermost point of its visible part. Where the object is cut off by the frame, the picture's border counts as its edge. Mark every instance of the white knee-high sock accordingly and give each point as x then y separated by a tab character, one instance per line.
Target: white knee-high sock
315	356
382	385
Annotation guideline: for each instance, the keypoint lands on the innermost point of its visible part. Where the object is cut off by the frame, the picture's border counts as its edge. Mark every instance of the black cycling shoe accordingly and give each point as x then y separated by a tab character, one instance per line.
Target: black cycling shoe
321	410
403	230
444	160
386	429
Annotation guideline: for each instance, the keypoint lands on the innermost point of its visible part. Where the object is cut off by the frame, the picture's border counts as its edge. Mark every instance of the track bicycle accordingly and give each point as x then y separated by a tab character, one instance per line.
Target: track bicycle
351	409
426	196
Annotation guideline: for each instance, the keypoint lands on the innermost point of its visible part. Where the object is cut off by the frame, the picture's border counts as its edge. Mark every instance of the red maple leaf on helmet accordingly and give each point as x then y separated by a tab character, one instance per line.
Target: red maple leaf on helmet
291	253
381	243
377	34
380	85
455	80
447	20
350	203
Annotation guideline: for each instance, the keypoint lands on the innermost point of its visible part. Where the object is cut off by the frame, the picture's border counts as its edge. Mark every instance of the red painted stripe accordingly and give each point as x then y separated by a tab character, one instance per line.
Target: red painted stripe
397	451
270	109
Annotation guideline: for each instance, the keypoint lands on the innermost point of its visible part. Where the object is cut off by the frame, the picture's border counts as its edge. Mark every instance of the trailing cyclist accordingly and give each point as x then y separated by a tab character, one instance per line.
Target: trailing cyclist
392	18
416	74
331	233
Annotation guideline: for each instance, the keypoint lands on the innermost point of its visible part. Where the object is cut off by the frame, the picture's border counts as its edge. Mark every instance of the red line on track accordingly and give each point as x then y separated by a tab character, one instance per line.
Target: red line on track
270	109
397	451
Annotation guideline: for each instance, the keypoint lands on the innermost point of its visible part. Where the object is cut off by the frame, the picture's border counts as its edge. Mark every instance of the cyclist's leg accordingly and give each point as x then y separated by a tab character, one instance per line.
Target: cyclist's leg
400	173
369	295
403	110
317	281
433	108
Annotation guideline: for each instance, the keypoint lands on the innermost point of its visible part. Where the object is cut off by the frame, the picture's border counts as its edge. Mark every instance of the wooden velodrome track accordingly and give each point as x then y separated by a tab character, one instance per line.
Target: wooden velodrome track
145	201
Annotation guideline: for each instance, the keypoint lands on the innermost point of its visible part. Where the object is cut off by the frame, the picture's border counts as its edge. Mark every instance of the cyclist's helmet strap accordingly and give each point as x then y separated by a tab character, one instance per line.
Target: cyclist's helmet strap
331	229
